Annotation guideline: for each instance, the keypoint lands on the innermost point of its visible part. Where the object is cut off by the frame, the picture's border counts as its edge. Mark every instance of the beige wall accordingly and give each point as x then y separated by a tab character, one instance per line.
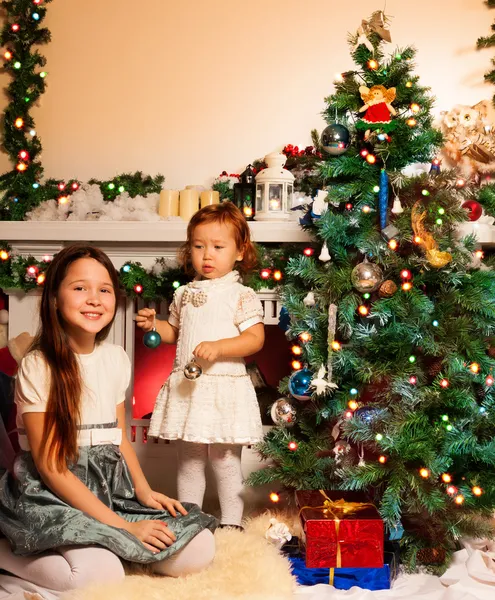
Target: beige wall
191	87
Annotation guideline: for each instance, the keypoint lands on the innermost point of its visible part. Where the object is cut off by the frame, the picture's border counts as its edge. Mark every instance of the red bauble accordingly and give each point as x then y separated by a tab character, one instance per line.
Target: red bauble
474	209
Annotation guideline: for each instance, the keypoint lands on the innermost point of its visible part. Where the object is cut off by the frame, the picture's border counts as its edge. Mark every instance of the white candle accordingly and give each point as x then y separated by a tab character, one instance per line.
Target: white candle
188	203
209	197
168	205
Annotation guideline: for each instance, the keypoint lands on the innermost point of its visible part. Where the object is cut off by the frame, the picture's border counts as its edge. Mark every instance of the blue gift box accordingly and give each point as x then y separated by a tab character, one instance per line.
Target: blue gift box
380	578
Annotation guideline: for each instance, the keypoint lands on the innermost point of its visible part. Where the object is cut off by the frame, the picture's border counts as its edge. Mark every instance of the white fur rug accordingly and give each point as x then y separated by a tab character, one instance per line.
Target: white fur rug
246	566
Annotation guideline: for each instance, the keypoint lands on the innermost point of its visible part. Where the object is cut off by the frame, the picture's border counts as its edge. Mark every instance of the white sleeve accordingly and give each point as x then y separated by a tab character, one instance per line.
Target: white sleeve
125	375
249	310
32	385
174	308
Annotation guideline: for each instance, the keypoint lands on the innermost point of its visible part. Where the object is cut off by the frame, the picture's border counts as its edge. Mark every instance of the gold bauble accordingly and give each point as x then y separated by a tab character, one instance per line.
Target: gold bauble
387	289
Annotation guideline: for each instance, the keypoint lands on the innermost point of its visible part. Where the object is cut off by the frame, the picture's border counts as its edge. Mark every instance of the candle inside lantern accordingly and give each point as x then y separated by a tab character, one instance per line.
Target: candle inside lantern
168	205
188	203
209	197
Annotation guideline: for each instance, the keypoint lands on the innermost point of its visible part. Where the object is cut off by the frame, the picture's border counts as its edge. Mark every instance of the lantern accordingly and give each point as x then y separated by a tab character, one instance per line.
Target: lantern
274	188
244	193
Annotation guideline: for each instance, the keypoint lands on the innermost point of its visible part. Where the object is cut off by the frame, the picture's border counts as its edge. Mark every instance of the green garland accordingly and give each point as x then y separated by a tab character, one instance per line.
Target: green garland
21	189
27	273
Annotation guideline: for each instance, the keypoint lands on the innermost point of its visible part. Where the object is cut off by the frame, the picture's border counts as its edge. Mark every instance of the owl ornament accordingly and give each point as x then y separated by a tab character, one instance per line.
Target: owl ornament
379	110
469	133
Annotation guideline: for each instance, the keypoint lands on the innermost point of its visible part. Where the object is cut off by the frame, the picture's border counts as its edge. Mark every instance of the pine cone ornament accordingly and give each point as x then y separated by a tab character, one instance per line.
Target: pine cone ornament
491	351
435	367
387	289
431	556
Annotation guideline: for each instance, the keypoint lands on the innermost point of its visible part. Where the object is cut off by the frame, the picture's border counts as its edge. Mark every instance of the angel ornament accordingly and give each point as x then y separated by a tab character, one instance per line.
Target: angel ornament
379	110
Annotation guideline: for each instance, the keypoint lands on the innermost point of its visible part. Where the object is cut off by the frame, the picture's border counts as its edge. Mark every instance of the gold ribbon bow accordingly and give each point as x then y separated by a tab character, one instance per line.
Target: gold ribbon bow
195	298
434	256
337	509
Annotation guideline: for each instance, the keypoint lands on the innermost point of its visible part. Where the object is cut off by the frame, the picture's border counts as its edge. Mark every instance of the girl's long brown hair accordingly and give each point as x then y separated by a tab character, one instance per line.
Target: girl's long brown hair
225	213
63	411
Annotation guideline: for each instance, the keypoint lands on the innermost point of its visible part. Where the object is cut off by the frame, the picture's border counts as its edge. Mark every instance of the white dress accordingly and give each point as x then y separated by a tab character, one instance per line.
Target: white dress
220	406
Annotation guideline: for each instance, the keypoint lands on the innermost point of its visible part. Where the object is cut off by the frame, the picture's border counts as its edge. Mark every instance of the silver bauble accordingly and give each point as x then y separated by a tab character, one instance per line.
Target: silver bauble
335	139
366	277
192	370
283	412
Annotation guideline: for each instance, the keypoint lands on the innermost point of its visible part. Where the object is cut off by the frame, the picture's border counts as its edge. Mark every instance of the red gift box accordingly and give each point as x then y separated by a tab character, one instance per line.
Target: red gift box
340	530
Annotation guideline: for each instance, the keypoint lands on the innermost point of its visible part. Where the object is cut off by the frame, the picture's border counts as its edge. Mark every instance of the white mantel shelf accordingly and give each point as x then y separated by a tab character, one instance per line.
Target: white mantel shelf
154	232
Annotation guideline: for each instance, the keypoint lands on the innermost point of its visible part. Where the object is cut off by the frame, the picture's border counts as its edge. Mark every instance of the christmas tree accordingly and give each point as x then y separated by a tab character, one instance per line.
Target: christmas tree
390	319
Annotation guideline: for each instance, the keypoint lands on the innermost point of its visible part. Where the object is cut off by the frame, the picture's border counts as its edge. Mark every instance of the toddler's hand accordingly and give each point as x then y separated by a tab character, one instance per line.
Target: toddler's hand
156	500
209	351
145	319
155	535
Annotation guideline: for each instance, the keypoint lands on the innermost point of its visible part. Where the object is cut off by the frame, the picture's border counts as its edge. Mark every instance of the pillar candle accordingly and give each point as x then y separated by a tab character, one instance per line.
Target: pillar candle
209	197
168	205
188	203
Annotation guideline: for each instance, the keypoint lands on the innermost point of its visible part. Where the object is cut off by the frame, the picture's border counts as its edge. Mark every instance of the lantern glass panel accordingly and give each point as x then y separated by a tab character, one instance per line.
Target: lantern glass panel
289	197
260	190
244	199
275	197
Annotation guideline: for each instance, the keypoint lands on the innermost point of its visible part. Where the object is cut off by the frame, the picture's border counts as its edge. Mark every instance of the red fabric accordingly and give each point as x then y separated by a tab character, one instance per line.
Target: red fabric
7	363
360	534
378	113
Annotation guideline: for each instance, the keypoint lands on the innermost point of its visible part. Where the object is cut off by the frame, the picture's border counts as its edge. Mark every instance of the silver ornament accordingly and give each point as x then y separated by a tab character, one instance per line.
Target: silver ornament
366	277
192	370
283	412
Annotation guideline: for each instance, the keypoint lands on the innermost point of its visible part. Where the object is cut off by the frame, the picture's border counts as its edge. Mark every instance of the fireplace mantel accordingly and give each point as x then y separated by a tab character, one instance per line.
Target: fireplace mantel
154	232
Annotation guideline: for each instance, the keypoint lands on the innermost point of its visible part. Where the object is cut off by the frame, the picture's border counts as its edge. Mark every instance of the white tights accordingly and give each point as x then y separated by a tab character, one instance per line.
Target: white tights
75	567
225	460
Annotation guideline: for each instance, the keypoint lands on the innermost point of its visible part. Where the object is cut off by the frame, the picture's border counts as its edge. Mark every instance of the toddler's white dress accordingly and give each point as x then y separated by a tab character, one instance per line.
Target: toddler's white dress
220	406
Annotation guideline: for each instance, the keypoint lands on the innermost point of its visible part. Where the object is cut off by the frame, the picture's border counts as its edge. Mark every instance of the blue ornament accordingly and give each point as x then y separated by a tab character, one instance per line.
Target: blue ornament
284	319
126	268
152	339
299	384
306	220
367	413
383	199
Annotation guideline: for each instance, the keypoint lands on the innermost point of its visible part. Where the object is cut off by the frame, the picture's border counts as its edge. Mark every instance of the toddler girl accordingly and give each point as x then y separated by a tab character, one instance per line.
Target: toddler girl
218	321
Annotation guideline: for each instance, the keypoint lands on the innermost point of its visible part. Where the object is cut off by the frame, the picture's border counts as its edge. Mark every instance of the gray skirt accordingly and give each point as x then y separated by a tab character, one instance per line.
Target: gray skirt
34	519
